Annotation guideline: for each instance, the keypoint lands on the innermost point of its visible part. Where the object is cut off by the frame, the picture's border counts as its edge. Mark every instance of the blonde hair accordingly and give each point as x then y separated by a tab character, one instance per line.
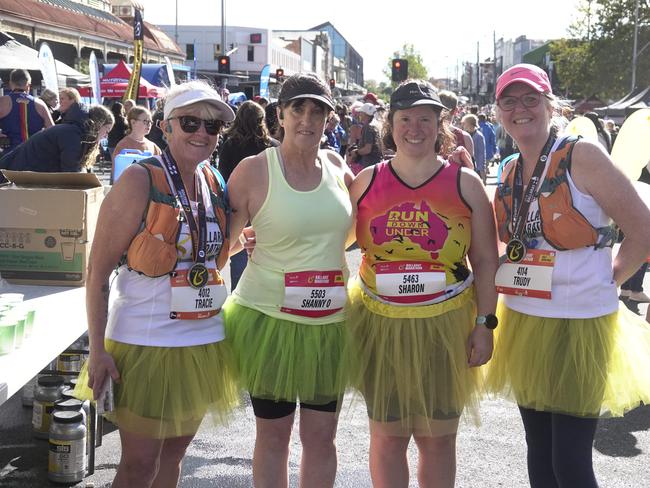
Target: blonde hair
70	93
135	113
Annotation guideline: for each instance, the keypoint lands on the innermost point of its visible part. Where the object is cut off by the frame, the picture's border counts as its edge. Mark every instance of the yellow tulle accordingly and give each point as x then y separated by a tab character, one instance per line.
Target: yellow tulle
413	372
165	392
581	367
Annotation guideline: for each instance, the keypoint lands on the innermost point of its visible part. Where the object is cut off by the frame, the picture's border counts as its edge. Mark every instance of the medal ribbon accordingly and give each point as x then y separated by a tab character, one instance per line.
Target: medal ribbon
519	217
198	230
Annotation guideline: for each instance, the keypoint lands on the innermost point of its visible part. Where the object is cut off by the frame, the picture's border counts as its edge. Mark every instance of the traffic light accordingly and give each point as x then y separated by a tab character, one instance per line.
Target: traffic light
332	83
224	65
400	69
279	75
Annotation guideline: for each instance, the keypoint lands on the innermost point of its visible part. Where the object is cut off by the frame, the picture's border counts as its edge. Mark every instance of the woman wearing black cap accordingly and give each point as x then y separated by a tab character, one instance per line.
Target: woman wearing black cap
285	318
420	321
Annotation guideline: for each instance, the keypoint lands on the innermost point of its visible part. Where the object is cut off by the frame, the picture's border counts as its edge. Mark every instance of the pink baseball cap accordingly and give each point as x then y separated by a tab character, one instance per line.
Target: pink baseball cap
532	75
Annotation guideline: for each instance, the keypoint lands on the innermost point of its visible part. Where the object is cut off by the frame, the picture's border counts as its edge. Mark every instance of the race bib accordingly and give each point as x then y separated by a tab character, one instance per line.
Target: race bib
530	277
313	293
409	282
190	303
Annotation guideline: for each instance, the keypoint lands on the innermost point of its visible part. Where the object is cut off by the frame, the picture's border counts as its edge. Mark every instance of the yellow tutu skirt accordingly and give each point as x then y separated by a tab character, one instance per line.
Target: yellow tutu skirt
166	392
580	367
412	371
284	360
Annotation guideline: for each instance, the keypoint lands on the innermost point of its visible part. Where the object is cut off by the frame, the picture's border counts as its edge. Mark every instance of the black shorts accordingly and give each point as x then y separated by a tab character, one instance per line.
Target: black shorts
270	409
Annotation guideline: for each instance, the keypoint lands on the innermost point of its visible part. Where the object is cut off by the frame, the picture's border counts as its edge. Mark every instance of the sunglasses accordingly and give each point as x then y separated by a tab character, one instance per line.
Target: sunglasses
529	100
191	124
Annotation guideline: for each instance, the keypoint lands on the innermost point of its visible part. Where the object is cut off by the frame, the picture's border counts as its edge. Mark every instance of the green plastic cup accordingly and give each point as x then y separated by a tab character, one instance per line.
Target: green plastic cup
18	317
7	335
29	323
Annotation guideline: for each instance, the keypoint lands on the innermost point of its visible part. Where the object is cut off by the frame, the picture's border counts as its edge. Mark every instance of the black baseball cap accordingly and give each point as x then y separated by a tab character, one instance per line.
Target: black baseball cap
305	86
413	94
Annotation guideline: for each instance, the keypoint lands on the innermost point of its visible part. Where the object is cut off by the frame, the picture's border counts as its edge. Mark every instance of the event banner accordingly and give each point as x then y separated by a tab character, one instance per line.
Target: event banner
170	72
48	68
265	74
93	69
138	40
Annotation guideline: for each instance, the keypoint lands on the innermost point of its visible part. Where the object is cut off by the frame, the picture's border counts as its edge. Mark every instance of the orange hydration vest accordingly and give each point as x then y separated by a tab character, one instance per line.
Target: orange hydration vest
152	251
563	226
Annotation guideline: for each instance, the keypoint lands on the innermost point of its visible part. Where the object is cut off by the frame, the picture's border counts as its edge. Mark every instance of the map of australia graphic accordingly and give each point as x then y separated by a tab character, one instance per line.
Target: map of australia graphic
419	224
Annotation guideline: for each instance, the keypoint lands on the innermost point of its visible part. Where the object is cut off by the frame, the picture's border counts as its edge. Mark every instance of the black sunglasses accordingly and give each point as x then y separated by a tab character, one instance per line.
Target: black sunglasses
191	124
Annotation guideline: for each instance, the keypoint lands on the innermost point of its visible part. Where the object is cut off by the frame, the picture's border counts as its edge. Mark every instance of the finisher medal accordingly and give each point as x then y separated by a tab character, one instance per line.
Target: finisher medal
515	250
198	275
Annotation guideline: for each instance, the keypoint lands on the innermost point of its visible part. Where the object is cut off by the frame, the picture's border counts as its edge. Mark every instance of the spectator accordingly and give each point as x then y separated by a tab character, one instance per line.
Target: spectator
450	100
68	147
51	100
156	135
120	127
21	114
369	150
470	124
334	133
67	98
139	119
487	129
128	105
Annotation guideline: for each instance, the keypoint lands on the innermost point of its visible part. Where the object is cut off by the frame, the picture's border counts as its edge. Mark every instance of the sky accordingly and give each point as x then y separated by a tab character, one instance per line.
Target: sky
445	36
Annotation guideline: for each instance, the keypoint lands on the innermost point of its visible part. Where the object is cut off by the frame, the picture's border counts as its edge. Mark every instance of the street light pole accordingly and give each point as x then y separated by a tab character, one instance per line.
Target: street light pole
636	35
223	27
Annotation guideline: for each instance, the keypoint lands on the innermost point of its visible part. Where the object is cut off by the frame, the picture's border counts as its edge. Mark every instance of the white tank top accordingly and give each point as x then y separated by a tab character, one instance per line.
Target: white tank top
139	306
583	284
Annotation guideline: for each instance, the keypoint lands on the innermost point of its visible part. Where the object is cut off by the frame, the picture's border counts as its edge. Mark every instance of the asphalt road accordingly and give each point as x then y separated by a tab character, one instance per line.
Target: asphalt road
490	456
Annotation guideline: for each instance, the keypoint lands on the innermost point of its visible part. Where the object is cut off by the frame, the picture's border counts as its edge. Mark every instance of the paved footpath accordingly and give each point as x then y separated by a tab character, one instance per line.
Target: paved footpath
490	456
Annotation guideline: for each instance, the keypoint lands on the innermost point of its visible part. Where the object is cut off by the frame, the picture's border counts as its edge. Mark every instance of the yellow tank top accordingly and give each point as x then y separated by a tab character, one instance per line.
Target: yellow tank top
296	232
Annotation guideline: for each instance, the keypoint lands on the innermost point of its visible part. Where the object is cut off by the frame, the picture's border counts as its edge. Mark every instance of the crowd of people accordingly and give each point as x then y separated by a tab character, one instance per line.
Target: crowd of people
433	321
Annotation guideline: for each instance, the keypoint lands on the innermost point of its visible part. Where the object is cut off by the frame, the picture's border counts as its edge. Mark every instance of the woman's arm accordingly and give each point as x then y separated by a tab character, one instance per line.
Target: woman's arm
594	173
484	260
119	219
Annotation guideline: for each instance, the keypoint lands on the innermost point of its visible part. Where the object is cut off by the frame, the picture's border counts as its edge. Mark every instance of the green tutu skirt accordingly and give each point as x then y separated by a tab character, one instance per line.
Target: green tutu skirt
412	370
166	392
282	360
580	367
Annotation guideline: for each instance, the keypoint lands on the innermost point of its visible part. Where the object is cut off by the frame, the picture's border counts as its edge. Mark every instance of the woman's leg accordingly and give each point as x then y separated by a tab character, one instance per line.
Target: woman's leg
437	461
274	422
139	462
171	459
388	463
317	435
539	438
573	439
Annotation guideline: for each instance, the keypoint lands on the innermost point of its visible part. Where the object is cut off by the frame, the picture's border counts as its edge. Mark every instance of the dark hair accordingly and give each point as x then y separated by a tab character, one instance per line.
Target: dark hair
593	116
20	77
249	125
98	117
271	117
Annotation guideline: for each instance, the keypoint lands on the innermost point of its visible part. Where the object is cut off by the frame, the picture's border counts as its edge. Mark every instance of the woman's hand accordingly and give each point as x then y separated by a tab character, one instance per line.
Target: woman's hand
479	346
248	239
100	366
461	157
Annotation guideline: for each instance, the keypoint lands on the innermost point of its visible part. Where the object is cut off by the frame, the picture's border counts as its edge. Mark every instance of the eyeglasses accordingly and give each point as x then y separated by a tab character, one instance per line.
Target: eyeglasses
145	121
191	124
529	100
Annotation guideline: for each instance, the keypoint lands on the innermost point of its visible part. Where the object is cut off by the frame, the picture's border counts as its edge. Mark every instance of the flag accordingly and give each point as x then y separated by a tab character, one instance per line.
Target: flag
138	37
48	68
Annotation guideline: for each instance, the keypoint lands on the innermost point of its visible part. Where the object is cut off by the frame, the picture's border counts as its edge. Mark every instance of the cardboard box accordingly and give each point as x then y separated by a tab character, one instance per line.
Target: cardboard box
47	223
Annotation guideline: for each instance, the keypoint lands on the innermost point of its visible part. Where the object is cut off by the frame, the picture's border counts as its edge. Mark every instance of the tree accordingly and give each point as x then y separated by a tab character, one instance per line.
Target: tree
416	64
599	60
382	90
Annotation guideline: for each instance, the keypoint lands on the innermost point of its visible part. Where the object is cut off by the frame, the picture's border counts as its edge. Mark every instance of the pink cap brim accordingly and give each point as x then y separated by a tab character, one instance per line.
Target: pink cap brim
530	83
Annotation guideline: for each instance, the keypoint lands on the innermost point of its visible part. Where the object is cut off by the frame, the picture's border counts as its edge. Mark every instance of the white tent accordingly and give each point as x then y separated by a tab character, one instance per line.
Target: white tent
14	55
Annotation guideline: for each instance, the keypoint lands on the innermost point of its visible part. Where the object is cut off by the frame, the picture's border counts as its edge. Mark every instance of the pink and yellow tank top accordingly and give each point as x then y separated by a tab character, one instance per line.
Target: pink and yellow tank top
414	240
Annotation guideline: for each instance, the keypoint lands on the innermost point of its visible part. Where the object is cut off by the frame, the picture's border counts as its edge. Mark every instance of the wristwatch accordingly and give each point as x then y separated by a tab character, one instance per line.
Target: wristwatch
490	321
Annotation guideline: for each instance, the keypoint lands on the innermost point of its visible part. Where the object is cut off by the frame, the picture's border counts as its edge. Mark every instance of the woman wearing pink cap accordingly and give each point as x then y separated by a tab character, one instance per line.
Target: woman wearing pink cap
564	349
